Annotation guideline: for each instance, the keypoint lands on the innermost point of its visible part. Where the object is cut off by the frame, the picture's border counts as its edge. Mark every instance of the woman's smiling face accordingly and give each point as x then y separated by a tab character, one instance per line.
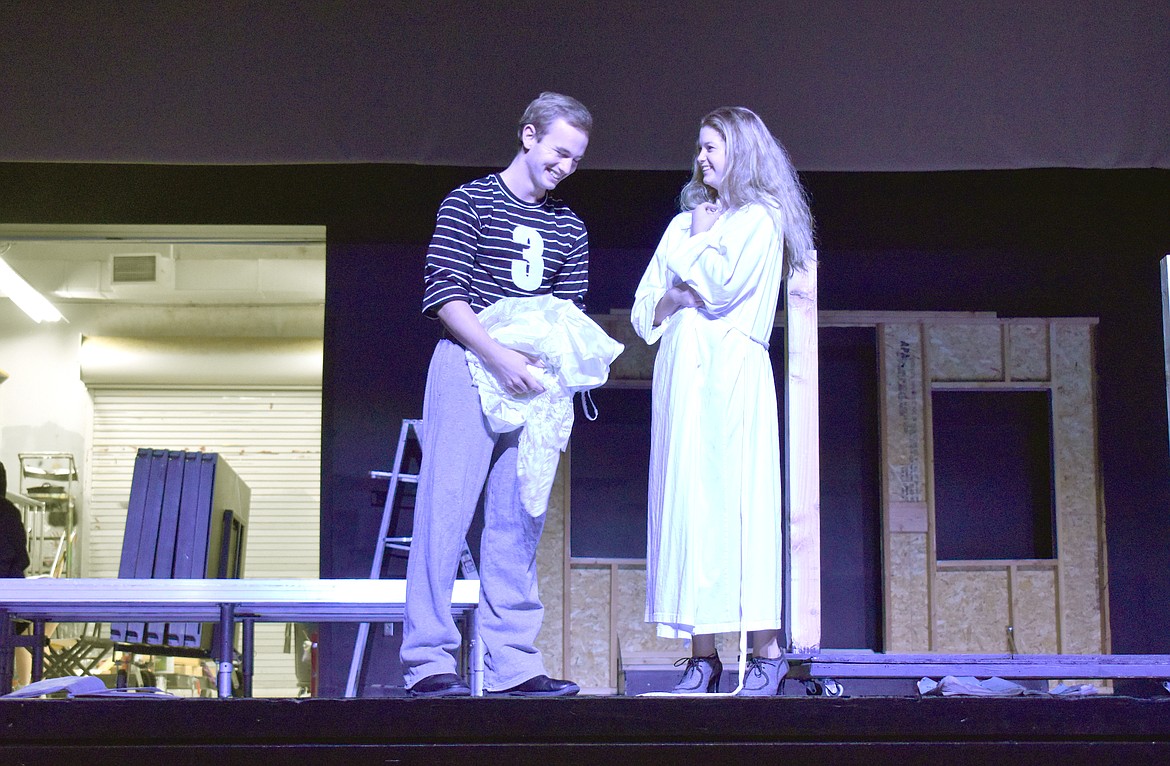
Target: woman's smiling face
712	157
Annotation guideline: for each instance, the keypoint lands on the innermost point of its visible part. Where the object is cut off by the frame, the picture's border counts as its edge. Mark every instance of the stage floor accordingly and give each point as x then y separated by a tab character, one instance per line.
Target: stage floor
606	730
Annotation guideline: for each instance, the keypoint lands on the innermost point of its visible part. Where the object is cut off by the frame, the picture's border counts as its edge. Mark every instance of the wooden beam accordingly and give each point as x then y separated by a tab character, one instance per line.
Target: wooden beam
1039	666
802	479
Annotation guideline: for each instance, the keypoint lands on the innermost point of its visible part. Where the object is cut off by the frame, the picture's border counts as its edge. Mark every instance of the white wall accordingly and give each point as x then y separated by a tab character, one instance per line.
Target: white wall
44	406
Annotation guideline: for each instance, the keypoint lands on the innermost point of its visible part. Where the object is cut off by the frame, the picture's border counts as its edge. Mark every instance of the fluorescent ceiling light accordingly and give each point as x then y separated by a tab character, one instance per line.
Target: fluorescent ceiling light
26	297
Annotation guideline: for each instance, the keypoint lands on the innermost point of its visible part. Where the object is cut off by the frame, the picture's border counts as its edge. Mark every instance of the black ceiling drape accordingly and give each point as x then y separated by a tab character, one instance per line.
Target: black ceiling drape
848	86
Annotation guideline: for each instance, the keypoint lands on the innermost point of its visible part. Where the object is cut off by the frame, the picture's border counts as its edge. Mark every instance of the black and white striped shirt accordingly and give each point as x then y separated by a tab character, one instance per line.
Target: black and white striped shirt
489	244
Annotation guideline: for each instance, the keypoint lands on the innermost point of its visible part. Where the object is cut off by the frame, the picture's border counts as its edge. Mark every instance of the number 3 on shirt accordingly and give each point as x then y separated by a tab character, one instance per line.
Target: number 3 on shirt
528	270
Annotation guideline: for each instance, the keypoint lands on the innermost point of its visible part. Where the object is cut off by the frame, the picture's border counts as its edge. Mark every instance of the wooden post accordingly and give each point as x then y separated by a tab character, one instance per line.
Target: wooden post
802	480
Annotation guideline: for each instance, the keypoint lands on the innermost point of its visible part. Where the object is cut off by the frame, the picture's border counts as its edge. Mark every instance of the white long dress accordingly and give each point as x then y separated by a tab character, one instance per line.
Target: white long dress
714	534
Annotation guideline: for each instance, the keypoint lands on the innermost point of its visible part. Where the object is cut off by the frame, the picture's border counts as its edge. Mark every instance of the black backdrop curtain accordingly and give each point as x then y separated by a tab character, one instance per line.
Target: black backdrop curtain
846	84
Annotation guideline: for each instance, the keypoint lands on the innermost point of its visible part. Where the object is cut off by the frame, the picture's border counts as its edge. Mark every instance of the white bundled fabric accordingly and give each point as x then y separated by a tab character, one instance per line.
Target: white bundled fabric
576	354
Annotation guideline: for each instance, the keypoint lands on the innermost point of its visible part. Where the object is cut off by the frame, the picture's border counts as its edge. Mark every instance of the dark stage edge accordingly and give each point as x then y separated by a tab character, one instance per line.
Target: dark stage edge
607	730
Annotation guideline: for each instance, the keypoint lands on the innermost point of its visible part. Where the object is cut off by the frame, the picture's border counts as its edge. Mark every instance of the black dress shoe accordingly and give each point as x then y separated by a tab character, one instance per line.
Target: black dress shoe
541	686
441	685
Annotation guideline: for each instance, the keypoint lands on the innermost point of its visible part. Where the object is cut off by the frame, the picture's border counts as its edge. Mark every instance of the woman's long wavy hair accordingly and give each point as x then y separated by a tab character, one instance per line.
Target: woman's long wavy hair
758	170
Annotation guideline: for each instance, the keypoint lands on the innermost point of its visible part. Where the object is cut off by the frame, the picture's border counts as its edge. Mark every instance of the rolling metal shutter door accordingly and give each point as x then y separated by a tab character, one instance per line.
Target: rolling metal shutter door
271	438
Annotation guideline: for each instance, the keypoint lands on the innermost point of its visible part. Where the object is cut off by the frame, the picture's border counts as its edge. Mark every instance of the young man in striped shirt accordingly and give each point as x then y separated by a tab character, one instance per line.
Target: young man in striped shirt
495	237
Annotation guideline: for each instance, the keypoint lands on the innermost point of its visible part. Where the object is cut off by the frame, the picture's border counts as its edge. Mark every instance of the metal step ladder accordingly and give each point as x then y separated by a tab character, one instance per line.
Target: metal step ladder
400	543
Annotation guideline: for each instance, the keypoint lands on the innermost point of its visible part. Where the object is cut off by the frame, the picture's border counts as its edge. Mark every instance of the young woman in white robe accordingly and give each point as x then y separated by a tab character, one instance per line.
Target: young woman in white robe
714	547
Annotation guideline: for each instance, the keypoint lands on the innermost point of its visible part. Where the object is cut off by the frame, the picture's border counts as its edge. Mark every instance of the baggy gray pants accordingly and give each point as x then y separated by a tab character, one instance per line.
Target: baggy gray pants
459	453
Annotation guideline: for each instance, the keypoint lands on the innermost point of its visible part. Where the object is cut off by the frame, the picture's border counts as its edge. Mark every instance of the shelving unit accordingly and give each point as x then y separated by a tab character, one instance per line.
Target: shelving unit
51	479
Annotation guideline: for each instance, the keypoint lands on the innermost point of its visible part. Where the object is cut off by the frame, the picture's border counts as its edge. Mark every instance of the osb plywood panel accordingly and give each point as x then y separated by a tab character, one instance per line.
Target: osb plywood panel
902	406
1034	611
1028	351
1080	596
634	633
1074	456
971	611
637	361
589	627
1073	423
550	571
965	352
907	607
907	618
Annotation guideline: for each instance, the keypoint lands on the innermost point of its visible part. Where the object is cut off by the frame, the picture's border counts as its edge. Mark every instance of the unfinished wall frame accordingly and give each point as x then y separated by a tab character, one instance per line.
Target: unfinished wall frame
1034	606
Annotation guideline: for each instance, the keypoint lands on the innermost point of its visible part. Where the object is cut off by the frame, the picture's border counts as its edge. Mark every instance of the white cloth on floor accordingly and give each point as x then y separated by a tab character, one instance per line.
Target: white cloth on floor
969	686
576	354
951	686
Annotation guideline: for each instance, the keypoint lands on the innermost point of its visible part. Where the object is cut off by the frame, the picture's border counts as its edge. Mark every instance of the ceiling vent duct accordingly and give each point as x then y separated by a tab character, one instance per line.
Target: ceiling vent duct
134	269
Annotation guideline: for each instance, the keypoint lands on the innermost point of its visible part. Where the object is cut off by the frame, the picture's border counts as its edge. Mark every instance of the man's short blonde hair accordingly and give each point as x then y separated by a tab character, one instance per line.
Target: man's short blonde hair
547	108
